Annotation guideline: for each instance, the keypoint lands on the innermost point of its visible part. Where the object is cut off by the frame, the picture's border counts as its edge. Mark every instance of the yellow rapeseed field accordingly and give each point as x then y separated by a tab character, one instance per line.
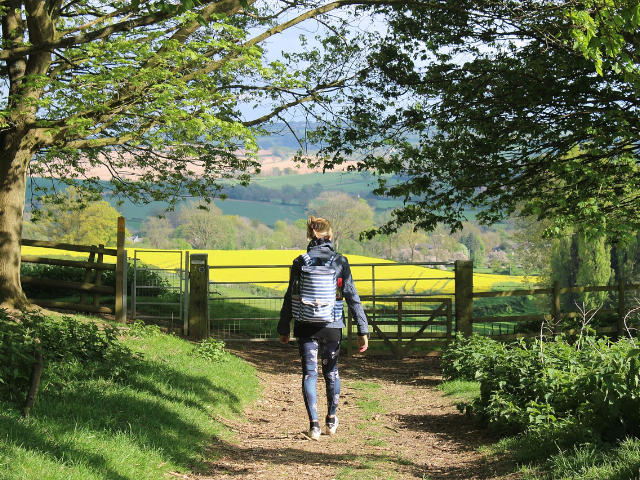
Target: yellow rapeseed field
390	278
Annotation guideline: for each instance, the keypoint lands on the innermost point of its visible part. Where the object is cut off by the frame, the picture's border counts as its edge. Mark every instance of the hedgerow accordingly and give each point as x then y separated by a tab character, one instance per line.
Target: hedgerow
592	384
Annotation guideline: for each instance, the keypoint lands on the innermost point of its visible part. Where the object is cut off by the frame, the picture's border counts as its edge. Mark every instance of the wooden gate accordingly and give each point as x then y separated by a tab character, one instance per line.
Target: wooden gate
402	322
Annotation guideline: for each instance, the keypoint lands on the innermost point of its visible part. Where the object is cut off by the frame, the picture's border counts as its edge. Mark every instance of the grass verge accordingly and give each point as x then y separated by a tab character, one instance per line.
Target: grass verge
153	415
460	390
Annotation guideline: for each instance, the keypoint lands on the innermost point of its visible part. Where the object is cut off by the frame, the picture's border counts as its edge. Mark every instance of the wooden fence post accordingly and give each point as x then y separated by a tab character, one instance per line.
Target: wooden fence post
87	278
98	276
121	310
621	307
198	296
464	296
185	299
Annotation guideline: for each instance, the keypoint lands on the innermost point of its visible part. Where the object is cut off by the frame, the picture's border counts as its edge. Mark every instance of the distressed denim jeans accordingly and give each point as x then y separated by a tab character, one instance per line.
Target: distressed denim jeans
329	352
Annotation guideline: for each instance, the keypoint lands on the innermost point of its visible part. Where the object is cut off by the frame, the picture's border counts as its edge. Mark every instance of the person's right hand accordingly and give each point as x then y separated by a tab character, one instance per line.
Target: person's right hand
363	343
284	339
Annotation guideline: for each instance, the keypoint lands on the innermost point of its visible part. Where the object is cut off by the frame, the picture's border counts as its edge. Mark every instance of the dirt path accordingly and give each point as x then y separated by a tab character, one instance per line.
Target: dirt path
394	424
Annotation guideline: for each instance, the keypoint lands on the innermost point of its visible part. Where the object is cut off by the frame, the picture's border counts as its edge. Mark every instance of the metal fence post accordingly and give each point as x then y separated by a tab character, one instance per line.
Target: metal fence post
134	293
349	334
125	268
198	296
464	296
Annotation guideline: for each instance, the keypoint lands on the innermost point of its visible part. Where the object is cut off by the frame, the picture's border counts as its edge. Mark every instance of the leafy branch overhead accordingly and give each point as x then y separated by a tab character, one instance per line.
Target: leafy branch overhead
494	105
161	81
154	94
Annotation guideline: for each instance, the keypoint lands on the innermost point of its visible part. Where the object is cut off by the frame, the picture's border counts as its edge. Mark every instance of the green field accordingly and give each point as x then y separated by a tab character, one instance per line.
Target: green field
343	181
267	212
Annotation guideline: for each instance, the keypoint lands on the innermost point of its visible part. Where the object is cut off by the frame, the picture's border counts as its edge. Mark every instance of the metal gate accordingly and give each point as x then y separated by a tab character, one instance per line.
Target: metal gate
159	287
245	302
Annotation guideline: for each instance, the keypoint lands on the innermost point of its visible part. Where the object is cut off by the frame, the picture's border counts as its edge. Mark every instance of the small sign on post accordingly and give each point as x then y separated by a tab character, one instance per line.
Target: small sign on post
198	296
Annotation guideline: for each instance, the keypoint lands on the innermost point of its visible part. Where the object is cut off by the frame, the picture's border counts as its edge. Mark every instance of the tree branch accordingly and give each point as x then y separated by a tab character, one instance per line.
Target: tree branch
313	95
20	52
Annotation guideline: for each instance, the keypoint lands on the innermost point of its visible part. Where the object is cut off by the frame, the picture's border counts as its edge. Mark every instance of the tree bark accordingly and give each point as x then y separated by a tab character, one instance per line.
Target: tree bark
13	172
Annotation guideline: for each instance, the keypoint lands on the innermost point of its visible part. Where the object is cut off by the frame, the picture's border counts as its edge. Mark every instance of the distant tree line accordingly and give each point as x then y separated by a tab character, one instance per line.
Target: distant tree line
517	246
199	227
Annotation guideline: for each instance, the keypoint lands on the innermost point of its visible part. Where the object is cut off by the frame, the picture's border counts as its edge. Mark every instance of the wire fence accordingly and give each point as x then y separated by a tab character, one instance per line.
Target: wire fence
245	300
157	294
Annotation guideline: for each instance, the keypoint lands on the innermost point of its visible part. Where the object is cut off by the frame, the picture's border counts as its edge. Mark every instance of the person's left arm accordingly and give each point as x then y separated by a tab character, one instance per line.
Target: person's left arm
353	300
284	325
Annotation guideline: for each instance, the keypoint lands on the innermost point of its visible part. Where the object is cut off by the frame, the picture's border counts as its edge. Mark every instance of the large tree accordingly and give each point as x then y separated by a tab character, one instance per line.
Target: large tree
487	104
348	215
149	91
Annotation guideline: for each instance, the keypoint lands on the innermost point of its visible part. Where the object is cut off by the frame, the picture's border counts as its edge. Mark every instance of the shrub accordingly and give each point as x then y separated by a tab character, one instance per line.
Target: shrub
68	346
592	384
210	349
140	329
464	359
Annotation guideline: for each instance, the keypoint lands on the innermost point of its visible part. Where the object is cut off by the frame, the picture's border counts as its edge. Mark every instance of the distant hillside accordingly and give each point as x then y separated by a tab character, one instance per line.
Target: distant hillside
267	198
281	192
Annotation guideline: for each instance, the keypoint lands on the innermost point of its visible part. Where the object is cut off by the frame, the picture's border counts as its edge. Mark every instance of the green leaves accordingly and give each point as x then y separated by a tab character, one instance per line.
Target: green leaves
523	124
594	384
68	346
602	31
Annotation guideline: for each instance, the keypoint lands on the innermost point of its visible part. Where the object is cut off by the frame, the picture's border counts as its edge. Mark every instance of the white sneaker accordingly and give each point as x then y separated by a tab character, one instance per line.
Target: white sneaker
314	433
332	426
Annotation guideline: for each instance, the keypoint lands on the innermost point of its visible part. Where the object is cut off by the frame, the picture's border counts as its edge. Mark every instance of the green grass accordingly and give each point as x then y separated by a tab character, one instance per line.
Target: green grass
460	390
157	416
564	454
369	400
267	212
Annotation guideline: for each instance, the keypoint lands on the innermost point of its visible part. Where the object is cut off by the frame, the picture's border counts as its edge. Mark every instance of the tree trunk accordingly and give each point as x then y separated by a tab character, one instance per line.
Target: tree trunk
13	171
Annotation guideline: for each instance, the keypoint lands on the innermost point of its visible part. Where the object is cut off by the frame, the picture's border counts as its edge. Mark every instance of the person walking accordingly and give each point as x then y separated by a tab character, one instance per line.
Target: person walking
319	281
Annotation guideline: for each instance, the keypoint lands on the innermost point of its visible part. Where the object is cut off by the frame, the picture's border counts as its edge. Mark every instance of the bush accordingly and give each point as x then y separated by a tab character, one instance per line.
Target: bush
140	329
69	348
465	358
592	384
210	349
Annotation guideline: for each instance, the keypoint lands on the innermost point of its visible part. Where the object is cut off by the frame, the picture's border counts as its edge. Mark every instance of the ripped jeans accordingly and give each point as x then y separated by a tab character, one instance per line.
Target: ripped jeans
329	352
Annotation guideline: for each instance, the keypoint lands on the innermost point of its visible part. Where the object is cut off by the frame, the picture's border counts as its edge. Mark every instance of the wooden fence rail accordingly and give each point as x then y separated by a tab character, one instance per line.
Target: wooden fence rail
465	295
92	281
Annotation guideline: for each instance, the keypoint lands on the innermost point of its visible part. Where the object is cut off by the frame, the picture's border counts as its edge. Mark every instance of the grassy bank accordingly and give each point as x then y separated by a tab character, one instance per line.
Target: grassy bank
153	411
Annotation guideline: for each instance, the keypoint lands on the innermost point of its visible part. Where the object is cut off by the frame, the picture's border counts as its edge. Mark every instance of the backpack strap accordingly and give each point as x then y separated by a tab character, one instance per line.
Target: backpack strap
306	258
308	261
330	262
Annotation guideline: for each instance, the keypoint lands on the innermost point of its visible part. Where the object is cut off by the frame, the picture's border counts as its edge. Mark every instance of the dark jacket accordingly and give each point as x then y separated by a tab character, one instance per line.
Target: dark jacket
323	249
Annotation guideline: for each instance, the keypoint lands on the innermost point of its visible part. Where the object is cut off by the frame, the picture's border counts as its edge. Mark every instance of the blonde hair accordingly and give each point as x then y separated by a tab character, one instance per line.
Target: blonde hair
318	227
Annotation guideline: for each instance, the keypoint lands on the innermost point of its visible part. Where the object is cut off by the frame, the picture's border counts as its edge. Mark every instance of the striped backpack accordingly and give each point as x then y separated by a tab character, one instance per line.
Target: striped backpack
313	299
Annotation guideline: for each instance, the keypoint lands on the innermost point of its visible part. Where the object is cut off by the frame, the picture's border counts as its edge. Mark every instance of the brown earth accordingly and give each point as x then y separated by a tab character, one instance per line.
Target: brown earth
394	424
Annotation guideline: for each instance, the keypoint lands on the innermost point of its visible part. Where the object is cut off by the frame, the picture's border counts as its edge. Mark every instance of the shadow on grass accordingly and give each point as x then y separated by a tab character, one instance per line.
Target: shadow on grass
153	407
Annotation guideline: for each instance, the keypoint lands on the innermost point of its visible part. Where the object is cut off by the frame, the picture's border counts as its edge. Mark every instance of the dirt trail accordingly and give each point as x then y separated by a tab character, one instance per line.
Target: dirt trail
393	424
